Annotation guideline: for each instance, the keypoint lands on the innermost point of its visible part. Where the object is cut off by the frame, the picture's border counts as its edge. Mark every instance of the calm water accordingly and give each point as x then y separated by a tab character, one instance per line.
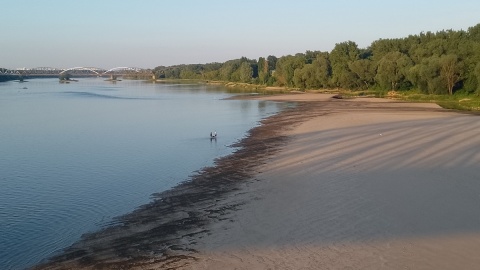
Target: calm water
73	156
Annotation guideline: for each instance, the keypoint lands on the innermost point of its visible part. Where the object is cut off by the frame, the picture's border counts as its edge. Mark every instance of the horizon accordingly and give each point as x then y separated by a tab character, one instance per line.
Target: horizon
141	34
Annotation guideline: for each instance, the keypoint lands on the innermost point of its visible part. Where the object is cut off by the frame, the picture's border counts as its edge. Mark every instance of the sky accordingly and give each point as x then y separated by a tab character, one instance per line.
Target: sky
150	33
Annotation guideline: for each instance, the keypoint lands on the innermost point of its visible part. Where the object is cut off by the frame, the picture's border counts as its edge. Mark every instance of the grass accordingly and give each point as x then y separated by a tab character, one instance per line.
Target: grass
458	101
463	105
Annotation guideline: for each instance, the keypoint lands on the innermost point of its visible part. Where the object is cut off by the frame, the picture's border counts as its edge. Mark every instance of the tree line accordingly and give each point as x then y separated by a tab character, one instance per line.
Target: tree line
435	63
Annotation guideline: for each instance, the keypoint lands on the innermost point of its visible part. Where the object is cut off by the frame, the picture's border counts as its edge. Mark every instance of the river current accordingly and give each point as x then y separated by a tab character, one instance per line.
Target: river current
74	156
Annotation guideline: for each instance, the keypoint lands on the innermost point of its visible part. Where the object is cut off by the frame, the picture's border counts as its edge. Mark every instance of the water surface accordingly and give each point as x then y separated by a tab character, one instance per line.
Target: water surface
76	155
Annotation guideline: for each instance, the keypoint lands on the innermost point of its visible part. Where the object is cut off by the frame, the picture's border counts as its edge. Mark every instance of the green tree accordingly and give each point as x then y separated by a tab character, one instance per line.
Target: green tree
310	56
477	78
474	33
211	75
306	77
272	62
246	72
365	71
228	68
426	75
382	47
341	55
299	78
392	70
450	71
436	63
323	69
468	52
172	72
263	72
285	69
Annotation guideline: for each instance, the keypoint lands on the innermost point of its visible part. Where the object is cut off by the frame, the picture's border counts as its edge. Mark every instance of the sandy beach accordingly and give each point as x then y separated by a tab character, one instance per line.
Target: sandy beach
373	184
330	184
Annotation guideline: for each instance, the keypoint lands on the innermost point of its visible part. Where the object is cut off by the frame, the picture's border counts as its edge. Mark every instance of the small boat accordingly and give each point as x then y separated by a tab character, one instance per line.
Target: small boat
213	135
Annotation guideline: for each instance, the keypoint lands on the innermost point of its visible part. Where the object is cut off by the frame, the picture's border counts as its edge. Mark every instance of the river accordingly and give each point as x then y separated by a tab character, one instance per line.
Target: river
74	156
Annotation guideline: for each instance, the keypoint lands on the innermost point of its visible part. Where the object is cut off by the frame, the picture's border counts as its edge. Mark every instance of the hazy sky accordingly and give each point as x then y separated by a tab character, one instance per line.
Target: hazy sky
149	33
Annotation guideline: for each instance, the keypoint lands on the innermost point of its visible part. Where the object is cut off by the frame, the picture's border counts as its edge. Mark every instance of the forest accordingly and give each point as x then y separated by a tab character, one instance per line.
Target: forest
441	63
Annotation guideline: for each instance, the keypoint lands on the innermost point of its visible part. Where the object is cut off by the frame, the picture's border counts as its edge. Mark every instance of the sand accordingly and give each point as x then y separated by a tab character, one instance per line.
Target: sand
331	184
374	184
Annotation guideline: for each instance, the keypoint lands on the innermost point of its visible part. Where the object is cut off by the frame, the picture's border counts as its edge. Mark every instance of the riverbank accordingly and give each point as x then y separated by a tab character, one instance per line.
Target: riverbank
329	184
367	184
163	232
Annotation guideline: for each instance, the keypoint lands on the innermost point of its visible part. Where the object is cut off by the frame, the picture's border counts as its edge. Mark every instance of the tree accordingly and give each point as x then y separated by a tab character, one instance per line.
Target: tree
211	75
392	70
272	62
299	78
426	75
382	47
450	71
263	72
474	33
172	72
477	77
246	72
305	78
323	69
285	69
310	56
365	71
228	68
435	63
343	54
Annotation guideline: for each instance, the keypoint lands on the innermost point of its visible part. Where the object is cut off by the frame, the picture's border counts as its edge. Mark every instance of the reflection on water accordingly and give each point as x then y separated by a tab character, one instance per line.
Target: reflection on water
76	155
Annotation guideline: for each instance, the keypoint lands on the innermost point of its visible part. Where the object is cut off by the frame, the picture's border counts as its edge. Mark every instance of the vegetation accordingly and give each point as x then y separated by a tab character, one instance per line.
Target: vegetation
430	64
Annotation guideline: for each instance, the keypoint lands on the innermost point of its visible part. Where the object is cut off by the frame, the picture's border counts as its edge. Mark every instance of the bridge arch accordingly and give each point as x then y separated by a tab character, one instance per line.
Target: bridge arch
43	69
97	71
4	71
50	71
40	71
112	70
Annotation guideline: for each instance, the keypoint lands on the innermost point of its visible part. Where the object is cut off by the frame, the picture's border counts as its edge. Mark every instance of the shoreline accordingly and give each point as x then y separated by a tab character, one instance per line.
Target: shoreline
246	213
372	184
160	233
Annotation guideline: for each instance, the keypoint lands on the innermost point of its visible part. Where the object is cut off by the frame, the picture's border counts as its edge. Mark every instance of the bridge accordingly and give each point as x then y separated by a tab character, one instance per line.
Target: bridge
75	72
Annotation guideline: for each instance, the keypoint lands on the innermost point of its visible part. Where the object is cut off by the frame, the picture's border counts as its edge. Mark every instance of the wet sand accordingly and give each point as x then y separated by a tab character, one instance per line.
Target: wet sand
329	184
